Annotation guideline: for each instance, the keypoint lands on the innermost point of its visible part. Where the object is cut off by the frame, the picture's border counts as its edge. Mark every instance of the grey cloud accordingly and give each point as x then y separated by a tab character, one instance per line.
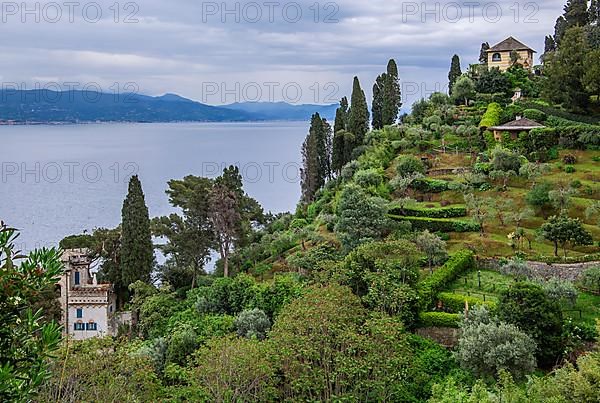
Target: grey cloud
175	48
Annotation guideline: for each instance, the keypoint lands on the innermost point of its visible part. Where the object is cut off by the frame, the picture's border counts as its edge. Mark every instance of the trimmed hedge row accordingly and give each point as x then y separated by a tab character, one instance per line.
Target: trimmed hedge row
438	224
456	302
443	212
428	185
438	319
459	263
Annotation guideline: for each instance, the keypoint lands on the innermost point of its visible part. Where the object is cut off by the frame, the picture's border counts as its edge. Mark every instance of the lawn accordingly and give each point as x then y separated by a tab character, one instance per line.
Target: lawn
589	305
586	310
492	284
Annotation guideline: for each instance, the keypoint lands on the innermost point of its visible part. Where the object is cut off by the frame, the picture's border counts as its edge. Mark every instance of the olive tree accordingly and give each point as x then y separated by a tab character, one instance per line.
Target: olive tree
487	346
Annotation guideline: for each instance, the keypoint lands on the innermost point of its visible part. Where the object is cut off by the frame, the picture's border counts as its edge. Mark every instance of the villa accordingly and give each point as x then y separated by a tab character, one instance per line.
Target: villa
500	55
88	308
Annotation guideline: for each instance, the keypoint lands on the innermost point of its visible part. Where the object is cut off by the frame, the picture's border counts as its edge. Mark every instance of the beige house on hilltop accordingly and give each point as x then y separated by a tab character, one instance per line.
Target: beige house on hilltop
500	55
88	308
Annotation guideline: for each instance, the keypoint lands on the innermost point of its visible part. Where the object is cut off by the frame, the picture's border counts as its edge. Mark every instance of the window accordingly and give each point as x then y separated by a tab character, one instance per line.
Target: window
79	326
79	313
91	326
77	279
111	308
496	57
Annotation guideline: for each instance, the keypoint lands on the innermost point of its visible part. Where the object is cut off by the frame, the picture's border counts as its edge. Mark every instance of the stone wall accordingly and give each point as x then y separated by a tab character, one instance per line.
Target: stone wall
563	271
446	336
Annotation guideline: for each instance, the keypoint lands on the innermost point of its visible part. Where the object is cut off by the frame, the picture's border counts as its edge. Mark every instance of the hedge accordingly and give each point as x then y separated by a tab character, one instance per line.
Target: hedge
427	185
575	136
459	263
444	212
438	319
438	224
456	302
551	111
491	117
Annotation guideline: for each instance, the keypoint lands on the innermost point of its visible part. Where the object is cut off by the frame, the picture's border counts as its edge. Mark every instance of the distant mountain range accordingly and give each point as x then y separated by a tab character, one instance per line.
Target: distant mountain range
45	106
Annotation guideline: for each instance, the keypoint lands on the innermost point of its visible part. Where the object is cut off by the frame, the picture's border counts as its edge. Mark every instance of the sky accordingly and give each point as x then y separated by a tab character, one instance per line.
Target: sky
223	52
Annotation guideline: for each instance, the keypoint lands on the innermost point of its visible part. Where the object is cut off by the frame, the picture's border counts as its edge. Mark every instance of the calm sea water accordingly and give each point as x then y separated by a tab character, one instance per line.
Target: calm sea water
62	180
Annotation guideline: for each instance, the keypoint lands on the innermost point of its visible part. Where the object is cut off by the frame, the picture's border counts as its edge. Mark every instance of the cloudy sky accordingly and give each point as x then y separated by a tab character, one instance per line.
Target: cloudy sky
223	52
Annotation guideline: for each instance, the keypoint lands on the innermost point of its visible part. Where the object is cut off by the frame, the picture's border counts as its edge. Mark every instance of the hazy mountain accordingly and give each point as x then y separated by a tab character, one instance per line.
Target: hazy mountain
283	110
45	106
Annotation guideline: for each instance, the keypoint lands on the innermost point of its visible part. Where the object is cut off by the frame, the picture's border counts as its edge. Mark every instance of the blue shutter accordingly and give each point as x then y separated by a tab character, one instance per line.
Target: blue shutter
79	313
77	280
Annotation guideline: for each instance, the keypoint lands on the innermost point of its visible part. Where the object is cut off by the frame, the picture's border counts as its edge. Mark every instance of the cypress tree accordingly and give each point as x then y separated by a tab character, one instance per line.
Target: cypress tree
341	116
455	73
339	128
483	56
358	117
310	167
559	29
137	253
377	105
392	98
316	157
594	12
321	129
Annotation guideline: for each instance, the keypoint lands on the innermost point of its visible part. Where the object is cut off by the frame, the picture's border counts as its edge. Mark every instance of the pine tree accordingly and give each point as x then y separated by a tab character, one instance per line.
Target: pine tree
565	69
377	105
225	217
483	56
576	13
455	73
358	117
549	44
392	98
137	253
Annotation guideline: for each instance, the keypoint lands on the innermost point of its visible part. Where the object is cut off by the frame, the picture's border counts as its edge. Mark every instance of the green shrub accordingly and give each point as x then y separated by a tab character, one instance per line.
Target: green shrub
535	114
456	302
369	177
459	263
487	346
527	306
427	185
482	168
569	169
438	319
252	323
408	164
